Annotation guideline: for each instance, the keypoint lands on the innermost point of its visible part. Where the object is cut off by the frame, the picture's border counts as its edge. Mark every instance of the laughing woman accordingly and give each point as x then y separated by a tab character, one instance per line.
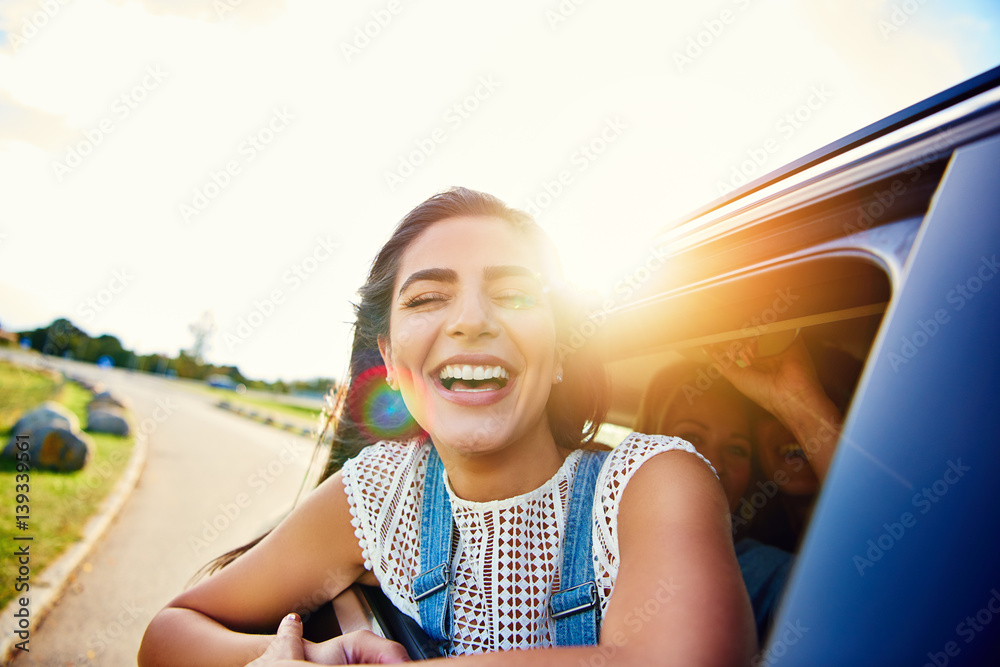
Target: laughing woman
495	525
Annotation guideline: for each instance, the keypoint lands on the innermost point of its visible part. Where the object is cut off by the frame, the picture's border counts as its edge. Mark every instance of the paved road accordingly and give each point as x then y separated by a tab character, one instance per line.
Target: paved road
204	463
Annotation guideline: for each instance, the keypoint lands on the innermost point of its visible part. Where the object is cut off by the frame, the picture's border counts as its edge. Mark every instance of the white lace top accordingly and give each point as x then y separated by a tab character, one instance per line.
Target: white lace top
507	561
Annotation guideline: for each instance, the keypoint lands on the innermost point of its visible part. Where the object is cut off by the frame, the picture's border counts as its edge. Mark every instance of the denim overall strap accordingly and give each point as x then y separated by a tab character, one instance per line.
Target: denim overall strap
432	588
575	607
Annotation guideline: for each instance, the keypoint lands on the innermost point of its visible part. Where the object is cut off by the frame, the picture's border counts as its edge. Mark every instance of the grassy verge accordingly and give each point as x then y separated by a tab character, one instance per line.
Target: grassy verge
232	397
60	503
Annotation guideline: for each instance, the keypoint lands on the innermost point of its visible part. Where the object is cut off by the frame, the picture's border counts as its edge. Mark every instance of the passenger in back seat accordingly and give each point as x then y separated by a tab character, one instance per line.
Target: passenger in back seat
723	424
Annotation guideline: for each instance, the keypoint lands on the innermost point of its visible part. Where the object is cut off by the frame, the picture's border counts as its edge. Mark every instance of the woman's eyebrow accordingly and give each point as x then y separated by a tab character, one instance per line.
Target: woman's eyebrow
437	275
692	421
496	272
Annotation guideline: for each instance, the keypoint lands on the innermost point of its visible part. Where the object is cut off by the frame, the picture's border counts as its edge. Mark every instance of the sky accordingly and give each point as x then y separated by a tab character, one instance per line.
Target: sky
163	159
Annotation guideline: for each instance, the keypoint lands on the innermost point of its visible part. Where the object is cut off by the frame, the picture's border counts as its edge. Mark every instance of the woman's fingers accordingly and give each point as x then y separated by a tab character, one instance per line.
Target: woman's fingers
739	352
287	644
366	647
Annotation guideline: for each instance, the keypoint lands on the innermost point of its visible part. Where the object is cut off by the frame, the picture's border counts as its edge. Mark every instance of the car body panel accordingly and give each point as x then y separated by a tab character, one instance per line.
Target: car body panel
920	417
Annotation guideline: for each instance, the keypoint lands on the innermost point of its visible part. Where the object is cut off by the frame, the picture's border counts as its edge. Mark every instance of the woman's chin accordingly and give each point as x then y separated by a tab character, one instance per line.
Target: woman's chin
800	483
478	438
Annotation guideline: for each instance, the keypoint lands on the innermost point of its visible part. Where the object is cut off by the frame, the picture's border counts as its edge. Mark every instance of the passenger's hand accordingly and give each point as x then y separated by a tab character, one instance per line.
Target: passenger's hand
360	647
287	645
787	386
782	384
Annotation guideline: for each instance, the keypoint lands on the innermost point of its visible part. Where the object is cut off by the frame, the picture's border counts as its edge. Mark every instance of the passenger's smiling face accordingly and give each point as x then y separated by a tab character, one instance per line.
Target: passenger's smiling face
718	425
472	339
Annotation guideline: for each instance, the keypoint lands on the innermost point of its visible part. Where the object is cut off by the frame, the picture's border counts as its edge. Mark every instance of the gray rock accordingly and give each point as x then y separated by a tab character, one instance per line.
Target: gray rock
55	449
107	399
106	419
48	415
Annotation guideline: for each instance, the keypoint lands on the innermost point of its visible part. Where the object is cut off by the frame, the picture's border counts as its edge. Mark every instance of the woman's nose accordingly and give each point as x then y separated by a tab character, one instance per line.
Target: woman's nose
472	317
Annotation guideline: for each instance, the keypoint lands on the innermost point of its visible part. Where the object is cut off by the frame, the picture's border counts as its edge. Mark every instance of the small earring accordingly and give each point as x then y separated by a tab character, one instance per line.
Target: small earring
389	381
558	378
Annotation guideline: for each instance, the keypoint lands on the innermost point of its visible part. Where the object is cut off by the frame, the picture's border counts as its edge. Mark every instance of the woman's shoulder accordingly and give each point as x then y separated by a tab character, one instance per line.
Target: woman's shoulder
637	448
377	470
388	454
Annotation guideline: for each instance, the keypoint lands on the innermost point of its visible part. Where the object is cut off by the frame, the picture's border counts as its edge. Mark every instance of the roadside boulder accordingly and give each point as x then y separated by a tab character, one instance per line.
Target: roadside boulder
104	418
106	399
48	415
57	448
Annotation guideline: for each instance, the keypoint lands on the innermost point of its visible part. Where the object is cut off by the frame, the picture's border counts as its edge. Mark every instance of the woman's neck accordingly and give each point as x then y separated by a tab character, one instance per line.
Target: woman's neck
521	466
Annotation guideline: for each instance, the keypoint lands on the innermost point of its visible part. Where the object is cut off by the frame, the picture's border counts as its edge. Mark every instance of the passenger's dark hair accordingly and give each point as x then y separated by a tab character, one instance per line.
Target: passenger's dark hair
576	407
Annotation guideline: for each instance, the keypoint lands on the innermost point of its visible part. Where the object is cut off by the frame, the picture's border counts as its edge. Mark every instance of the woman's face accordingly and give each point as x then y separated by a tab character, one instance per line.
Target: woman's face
718	426
472	341
782	460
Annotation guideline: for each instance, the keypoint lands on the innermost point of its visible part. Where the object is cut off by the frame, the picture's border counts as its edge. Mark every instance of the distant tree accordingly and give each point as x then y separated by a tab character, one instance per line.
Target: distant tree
58	339
202	330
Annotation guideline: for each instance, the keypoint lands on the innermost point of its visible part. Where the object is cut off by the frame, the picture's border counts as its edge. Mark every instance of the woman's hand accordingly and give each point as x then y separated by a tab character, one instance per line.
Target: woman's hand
359	647
354	648
787	386
287	645
781	383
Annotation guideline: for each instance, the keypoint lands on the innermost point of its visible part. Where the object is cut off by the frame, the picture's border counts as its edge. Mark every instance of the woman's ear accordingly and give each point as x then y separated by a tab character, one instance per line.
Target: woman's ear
557	376
386	352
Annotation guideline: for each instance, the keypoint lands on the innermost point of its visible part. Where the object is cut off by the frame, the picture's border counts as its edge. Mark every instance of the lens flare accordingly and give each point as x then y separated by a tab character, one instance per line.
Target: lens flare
378	410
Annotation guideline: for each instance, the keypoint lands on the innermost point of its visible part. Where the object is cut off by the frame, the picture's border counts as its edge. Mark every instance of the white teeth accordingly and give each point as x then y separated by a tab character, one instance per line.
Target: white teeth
462	372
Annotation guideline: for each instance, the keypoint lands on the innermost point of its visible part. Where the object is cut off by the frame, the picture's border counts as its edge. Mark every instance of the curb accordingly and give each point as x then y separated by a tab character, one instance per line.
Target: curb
48	587
268	418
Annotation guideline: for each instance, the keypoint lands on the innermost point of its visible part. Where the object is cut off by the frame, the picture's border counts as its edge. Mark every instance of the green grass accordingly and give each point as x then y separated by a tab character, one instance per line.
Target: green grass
250	402
60	503
293	410
22	389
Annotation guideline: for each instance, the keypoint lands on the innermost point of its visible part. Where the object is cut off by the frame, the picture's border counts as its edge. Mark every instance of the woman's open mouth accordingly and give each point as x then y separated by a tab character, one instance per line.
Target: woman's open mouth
474	385
792	450
467	378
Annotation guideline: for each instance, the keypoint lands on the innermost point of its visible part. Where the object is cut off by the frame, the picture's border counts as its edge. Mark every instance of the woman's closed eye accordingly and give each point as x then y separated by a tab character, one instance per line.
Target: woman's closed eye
424	298
516	299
